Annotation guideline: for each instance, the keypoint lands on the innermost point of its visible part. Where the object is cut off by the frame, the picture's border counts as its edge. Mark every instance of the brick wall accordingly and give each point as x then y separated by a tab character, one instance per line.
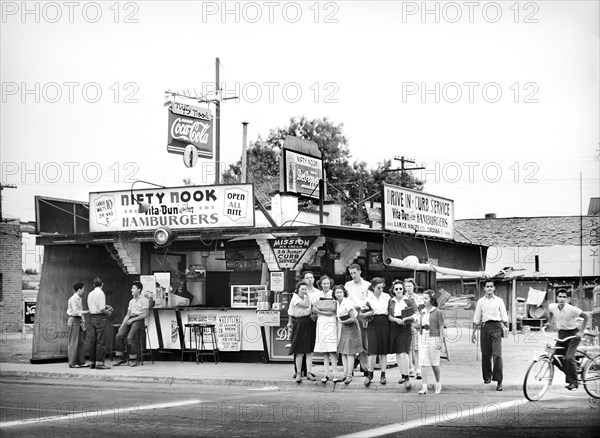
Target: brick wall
11	299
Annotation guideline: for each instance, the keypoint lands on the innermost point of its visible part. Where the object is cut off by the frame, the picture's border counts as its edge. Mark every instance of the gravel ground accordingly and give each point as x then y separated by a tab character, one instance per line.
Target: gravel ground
15	347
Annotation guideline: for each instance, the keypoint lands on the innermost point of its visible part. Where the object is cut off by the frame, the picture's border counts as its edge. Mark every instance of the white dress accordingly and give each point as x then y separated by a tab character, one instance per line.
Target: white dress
327	333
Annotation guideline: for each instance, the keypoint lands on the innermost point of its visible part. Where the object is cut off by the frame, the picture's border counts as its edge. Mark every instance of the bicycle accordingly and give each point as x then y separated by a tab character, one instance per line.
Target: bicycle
541	371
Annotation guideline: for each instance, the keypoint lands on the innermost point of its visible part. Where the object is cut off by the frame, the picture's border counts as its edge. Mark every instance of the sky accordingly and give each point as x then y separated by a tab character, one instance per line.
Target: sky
499	101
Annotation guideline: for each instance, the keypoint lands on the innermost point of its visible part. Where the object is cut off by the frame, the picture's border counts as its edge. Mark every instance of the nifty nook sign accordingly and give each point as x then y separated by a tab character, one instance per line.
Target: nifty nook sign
190	125
302	173
176	208
289	250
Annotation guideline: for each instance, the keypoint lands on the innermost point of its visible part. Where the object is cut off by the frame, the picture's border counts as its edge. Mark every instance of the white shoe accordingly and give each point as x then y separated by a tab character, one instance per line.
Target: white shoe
423	391
438	388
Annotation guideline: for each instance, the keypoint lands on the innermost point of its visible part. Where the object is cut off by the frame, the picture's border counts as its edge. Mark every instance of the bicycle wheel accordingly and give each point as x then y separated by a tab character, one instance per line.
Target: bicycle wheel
538	378
591	376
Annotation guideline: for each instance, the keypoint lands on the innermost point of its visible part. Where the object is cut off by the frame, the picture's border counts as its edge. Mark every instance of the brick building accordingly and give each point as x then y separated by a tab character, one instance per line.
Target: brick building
11	297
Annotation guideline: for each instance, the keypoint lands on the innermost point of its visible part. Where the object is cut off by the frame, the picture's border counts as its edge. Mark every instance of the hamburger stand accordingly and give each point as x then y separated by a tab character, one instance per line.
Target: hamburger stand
215	255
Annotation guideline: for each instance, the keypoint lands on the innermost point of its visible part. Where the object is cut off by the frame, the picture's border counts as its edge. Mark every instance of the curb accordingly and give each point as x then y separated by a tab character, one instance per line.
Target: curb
272	385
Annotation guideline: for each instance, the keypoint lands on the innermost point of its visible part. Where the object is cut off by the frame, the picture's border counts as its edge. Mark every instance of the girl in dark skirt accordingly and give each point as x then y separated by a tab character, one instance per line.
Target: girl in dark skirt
350	341
303	334
378	330
401	328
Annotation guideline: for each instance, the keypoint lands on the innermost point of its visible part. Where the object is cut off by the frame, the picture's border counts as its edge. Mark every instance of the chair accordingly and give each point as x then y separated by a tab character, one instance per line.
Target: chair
201	350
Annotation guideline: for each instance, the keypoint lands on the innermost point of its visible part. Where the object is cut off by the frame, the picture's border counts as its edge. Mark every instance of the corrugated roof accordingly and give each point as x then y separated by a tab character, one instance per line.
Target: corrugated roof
528	231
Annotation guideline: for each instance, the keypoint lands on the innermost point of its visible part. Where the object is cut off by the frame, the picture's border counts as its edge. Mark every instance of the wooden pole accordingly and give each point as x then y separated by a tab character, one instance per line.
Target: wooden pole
217	127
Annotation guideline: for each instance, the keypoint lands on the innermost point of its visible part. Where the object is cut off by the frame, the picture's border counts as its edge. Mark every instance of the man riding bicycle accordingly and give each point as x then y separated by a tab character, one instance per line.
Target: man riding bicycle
565	317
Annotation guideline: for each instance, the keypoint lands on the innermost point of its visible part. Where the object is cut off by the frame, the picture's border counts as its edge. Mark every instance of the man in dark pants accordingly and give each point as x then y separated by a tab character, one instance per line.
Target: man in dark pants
565	318
99	312
491	315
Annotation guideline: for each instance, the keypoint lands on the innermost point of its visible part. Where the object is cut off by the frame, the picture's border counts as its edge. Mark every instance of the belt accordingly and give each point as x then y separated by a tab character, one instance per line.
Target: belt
490	322
425	327
97	314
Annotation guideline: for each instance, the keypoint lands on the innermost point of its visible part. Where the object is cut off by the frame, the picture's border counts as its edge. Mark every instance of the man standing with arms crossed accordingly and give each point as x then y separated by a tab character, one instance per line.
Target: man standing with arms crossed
565	318
99	312
491	315
357	294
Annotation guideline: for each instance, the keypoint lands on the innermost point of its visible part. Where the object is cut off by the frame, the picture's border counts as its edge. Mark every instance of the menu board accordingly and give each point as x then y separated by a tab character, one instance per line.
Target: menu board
228	330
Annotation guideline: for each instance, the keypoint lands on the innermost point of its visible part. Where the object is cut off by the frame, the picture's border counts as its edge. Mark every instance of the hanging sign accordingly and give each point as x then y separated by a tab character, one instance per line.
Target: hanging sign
302	173
190	125
289	250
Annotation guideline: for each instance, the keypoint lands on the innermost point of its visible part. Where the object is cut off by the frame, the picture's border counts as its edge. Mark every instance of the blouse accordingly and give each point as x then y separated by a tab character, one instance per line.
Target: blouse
298	312
379	306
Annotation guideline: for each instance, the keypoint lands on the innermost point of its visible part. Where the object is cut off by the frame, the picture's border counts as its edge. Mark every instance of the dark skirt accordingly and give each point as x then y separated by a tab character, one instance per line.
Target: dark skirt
400	338
378	335
350	341
303	335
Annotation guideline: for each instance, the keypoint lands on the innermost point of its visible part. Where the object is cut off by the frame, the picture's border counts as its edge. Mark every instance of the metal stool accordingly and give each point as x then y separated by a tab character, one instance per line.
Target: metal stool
201	350
192	335
113	338
144	345
142	342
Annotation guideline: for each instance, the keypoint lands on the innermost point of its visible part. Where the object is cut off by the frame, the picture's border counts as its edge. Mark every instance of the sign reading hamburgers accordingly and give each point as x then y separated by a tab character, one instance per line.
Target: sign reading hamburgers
190	125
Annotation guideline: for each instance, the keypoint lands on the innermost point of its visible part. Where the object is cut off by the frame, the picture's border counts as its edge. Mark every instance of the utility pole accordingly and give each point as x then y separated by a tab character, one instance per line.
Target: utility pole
2	187
218	126
402	168
405	160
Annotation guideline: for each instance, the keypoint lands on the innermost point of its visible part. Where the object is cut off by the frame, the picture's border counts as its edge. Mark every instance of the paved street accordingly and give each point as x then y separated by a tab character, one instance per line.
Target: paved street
42	408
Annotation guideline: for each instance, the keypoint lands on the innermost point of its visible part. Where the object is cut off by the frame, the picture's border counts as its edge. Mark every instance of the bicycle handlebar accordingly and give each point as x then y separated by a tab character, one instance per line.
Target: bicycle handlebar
543	330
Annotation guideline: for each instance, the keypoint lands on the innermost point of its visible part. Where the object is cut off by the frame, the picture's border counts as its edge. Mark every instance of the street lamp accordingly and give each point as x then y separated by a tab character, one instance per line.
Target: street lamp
143	207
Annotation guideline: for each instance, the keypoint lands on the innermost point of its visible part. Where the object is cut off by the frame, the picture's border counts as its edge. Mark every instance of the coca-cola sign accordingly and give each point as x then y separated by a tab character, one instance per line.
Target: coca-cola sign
187	129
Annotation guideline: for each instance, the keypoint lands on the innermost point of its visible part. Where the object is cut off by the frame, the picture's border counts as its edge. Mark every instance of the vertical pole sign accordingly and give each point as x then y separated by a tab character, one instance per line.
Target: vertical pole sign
190	125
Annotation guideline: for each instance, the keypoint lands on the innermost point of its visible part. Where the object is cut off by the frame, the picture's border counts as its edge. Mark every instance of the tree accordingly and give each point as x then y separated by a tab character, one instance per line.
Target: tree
347	183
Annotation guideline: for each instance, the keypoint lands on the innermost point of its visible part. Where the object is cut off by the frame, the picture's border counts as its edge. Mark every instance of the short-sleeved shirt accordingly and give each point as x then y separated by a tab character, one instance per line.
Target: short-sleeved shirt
137	306
490	309
344	307
96	301
565	319
379	306
396	306
357	293
298	312
314	295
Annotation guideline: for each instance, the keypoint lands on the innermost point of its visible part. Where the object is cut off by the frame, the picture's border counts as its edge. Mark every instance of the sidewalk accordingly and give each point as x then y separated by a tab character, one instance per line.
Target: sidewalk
461	373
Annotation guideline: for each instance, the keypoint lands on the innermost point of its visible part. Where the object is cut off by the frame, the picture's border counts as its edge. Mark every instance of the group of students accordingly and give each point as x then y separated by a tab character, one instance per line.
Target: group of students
368	322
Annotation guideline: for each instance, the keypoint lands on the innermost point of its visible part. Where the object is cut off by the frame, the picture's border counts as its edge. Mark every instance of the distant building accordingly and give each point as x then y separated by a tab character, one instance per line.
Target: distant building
544	253
11	298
